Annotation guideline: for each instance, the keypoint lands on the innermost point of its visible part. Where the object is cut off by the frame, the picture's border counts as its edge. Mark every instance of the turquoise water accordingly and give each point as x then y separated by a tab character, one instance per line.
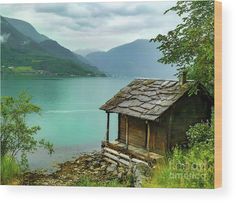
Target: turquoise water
70	116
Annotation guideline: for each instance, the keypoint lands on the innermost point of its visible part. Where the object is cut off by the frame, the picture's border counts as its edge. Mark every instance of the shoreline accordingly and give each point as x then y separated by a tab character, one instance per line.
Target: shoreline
89	169
70	173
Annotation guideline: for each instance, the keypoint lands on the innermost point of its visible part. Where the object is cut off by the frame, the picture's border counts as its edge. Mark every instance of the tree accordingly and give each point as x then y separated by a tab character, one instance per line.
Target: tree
16	136
190	46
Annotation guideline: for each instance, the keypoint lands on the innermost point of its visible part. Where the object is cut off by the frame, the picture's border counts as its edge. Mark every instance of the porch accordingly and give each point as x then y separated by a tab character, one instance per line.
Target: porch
127	151
117	152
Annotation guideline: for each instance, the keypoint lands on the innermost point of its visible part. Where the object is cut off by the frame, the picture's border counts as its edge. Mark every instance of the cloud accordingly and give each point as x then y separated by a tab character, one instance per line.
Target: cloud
96	25
96	9
4	37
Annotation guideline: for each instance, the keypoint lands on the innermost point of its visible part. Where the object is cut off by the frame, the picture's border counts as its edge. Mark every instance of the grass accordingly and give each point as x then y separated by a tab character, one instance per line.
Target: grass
10	171
184	171
191	167
20	69
86	181
162	178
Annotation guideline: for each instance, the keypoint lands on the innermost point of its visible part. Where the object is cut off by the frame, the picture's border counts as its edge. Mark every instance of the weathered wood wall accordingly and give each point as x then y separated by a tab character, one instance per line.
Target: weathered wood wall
186	112
122	128
137	132
171	128
157	137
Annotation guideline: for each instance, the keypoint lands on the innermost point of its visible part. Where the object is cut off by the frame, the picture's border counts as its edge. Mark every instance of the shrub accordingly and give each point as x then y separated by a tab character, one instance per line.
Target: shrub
189	168
17	137
10	170
201	133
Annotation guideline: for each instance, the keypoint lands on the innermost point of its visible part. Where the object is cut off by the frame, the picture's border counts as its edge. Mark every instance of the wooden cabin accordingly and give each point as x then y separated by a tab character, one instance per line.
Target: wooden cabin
154	115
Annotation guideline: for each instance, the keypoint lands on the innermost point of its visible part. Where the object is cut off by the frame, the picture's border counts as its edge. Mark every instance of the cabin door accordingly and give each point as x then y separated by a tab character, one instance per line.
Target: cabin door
137	132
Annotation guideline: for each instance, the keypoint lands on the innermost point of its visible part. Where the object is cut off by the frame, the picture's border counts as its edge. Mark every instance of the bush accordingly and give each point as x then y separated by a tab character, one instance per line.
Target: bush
189	168
201	133
10	170
17	136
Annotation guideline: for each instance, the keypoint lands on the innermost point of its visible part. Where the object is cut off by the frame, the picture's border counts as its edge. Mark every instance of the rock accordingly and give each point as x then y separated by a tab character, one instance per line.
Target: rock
103	163
144	169
115	172
121	169
91	165
103	167
129	172
120	175
111	168
140	172
138	182
96	164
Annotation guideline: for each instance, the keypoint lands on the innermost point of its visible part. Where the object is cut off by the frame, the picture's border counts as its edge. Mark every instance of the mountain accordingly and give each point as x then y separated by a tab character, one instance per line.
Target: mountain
15	45
51	46
57	50
84	52
26	29
138	58
47	56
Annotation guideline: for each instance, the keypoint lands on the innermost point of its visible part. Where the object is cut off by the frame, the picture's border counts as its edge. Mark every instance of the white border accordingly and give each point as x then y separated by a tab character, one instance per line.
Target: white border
41	194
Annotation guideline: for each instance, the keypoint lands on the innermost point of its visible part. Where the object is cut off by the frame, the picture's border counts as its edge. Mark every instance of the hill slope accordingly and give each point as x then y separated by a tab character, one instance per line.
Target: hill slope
138	58
26	29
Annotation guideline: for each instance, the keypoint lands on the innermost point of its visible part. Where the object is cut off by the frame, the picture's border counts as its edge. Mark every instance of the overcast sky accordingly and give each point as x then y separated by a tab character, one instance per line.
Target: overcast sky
98	26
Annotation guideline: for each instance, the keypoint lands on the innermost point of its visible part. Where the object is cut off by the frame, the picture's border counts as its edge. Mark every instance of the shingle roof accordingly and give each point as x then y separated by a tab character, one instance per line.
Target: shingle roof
146	98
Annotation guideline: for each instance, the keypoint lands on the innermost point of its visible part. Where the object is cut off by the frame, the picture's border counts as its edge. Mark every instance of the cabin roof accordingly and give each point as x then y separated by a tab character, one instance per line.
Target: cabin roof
146	98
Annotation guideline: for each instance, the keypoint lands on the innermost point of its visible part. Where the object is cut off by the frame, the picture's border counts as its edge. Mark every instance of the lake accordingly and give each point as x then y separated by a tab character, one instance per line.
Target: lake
70	116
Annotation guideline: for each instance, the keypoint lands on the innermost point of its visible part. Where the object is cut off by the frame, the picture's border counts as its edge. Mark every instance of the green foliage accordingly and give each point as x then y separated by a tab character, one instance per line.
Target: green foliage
201	133
16	136
10	170
190	45
192	167
86	181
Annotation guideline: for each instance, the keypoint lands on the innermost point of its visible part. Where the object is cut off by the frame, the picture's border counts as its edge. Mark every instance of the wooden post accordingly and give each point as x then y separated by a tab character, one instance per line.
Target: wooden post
126	131
148	136
108	126
118	127
169	129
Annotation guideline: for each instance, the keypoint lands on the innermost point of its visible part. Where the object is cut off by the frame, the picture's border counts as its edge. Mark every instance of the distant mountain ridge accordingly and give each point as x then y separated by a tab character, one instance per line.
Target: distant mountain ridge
26	47
138	58
84	52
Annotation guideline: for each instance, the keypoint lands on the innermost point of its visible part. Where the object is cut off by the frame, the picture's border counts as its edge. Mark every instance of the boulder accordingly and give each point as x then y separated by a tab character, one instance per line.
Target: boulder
111	168
115	172
120	175
140	171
